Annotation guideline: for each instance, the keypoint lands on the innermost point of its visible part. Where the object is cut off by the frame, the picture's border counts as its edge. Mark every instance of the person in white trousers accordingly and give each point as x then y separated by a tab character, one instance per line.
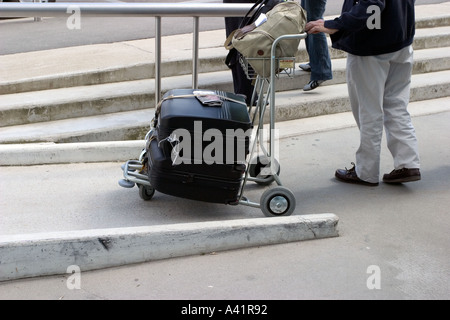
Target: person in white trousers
377	36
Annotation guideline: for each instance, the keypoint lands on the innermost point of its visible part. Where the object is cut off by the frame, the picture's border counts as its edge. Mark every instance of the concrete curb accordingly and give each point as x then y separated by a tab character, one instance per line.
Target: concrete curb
41	254
52	153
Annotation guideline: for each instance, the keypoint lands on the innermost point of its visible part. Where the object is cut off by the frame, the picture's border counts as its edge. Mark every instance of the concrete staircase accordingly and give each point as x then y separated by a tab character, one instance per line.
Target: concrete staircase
106	92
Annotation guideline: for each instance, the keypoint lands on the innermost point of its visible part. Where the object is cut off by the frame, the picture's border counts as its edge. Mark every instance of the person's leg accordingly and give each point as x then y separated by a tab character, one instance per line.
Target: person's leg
366	77
305	5
316	44
400	132
241	84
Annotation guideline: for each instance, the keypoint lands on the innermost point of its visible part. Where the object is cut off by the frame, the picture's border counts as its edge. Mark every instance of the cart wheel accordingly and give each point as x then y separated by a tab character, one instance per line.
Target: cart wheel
258	165
146	192
126	184
278	201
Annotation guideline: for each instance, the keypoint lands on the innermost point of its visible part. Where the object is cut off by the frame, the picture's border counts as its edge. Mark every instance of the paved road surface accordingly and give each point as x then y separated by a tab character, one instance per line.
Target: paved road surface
25	35
402	229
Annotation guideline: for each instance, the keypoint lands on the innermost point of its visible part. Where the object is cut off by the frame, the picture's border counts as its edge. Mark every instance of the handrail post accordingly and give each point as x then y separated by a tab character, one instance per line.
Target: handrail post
157	60
37	19
195	45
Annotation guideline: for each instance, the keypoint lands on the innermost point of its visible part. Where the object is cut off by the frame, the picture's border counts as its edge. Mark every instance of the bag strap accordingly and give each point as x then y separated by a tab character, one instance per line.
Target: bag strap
228	41
257	7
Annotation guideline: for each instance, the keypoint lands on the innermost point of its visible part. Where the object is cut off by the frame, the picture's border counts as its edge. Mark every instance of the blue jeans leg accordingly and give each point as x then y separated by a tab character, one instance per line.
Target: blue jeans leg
316	44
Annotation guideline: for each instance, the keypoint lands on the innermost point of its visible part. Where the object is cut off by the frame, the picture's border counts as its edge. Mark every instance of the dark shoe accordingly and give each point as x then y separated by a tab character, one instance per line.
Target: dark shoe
402	175
305	67
313	84
349	176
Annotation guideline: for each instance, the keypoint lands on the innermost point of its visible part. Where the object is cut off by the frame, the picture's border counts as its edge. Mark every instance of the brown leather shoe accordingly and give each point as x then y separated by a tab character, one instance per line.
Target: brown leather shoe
402	175
349	176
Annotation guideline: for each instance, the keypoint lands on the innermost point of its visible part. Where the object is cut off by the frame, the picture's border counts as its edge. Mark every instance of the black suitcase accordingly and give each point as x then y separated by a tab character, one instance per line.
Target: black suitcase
195	177
182	111
208	183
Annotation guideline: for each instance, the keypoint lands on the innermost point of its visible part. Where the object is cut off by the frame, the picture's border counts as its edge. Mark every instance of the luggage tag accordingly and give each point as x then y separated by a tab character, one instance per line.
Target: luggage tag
208	98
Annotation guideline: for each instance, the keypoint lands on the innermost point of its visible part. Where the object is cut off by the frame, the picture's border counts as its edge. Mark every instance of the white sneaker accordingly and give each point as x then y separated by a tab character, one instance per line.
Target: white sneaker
305	67
313	84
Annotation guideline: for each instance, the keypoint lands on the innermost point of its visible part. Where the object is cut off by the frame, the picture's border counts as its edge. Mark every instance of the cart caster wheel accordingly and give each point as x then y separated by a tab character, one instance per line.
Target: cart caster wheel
146	192
257	168
278	201
126	184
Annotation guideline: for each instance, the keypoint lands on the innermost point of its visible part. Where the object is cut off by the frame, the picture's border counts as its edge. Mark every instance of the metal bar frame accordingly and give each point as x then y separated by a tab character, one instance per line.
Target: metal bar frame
272	98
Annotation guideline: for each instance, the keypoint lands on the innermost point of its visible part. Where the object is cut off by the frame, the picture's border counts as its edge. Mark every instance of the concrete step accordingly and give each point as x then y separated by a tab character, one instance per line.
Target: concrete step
132	125
82	101
106	92
128	125
122	150
134	60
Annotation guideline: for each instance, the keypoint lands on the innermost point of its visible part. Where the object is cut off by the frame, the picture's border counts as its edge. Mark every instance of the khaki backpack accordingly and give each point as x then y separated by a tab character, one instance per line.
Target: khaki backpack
255	43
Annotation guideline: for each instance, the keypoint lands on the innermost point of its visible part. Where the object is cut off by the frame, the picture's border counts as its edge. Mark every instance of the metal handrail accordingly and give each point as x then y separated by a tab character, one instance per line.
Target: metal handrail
157	10
126	9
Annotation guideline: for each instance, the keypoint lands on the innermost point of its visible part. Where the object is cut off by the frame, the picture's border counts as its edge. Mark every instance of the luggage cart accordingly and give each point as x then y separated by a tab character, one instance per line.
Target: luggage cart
262	169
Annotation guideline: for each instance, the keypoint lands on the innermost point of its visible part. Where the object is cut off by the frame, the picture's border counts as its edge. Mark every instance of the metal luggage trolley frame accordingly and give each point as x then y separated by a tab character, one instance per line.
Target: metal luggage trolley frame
262	169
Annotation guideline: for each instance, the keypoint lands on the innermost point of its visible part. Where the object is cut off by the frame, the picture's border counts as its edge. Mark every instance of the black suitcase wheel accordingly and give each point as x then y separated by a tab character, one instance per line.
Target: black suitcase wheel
257	165
146	192
278	201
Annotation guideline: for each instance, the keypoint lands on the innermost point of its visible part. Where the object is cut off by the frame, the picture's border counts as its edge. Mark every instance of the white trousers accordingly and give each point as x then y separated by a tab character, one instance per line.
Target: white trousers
379	90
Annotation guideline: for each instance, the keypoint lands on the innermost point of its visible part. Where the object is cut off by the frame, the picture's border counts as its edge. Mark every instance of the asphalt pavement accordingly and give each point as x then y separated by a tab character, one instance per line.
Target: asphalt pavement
392	242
